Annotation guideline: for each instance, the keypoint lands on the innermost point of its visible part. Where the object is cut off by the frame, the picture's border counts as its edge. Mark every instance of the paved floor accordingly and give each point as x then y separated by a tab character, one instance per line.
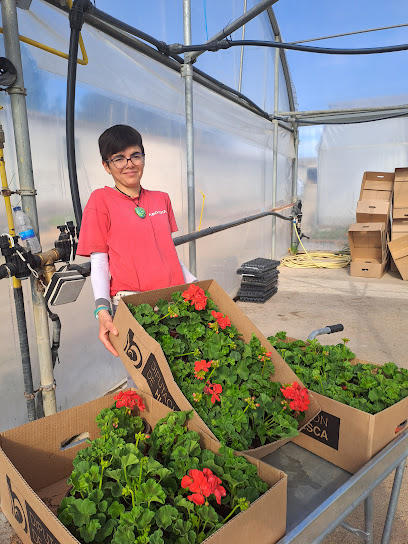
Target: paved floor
375	318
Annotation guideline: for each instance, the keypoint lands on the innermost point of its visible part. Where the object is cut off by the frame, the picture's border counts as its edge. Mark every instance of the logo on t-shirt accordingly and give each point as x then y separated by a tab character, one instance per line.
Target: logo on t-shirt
157	212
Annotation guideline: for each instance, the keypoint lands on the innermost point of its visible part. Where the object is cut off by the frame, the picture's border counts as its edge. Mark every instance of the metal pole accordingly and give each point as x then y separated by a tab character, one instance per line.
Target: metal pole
241	60
392	506
295	175
232	27
17	94
275	148
19	301
187	73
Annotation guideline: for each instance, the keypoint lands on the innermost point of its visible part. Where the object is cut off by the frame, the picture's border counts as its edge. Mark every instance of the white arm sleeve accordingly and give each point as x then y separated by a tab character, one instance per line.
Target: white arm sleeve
188	276
100	278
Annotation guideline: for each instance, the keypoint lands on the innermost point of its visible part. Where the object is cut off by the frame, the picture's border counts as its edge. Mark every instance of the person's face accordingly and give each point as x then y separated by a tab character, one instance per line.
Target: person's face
130	175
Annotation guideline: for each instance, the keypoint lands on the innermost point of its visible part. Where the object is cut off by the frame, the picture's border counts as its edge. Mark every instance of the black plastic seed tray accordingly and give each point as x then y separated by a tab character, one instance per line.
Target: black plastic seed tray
260	280
259	290
256	297
258	266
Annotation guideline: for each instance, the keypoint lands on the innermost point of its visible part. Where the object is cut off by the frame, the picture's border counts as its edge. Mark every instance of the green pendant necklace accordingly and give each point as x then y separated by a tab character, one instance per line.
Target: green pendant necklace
140	212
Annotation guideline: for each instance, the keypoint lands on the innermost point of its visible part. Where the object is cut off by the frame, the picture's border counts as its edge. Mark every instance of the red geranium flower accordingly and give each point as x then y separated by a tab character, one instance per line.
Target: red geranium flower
213	389
221	320
200	368
298	397
129	399
202	484
196	296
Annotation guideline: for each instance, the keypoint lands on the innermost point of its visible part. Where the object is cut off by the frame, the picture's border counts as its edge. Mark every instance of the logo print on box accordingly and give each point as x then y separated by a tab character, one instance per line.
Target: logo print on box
16	507
132	350
325	428
157	384
39	533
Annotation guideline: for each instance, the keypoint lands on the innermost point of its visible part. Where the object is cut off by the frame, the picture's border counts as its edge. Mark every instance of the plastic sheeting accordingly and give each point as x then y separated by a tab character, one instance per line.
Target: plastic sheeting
331	174
234	169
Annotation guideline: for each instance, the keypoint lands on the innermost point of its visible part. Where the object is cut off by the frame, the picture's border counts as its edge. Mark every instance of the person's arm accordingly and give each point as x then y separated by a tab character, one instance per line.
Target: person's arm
188	276
101	289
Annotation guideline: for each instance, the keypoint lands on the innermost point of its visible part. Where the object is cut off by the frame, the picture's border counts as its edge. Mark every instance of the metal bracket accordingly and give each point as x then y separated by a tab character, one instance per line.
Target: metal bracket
355	531
16	90
26	192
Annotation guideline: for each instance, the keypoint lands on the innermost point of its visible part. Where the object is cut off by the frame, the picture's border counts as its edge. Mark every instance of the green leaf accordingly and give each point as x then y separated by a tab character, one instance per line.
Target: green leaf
105	530
123	535
165	515
116	509
150	491
89	530
156	537
208	514
81	511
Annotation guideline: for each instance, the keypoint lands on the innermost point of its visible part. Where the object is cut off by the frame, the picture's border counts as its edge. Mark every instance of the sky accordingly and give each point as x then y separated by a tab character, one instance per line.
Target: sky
321	81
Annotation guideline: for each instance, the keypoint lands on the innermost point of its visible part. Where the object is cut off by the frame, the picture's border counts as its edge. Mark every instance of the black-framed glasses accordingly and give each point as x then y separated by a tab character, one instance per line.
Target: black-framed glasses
121	162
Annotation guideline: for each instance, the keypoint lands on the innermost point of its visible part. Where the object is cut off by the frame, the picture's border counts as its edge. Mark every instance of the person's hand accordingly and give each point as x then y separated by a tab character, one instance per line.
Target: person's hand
106	326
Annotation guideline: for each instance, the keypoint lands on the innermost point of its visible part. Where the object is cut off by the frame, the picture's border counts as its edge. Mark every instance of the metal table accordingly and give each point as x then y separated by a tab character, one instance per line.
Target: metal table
321	496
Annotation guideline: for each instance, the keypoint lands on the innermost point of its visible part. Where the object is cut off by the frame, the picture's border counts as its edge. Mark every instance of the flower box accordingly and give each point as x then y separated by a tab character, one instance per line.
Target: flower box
35	465
349	437
147	365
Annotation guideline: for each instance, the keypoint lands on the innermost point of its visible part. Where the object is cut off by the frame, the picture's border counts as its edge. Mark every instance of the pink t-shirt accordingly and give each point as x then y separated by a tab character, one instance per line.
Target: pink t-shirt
142	256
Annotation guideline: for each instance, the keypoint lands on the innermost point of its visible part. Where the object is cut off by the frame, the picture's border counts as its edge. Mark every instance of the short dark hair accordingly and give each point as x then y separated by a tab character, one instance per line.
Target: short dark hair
118	138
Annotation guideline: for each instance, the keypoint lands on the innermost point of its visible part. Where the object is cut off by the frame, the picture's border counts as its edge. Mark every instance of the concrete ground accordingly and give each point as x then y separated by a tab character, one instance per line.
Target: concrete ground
375	318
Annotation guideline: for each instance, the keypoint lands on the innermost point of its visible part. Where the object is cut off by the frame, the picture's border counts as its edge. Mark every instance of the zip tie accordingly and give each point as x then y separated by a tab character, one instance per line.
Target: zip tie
29	397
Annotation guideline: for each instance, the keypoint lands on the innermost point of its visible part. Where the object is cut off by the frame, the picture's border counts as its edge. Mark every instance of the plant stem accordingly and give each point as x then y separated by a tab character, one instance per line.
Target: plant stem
230	514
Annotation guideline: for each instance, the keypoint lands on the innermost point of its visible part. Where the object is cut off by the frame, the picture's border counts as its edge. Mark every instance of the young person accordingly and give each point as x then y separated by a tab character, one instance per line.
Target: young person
127	231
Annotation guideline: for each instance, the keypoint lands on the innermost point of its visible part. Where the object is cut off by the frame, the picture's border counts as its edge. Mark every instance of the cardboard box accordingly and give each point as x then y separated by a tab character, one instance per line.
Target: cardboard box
147	365
368	249
377	186
400	214
348	437
373	211
34	471
401	188
399	252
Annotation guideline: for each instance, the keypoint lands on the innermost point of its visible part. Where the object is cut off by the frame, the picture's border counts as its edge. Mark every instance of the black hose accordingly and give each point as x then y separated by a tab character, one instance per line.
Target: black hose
76	19
226	44
56	336
25	352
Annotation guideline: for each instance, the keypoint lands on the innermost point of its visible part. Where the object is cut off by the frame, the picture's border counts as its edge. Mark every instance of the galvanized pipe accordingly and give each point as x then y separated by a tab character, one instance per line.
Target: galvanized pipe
238	23
17	94
275	149
295	175
396	488
187	73
241	60
369	518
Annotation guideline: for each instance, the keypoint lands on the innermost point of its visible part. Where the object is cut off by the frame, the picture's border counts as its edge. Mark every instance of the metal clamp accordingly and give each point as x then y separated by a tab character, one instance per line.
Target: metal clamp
49	387
16	90
26	192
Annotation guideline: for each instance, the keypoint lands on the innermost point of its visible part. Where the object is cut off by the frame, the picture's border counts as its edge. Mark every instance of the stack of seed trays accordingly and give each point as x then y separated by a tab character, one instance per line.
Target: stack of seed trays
259	280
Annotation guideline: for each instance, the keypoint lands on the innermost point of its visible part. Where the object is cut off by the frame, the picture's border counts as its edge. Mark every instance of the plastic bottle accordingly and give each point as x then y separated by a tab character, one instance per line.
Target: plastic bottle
24	229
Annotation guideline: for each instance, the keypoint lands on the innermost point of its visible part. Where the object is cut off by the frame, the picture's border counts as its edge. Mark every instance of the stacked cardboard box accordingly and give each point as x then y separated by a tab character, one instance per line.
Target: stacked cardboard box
368	249
399	227
368	244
